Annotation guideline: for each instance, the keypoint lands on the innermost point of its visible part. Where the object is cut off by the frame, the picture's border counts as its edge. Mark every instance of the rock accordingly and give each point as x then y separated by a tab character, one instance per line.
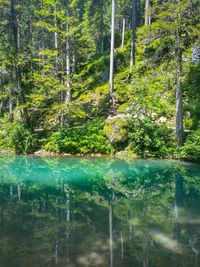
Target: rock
44	153
115	129
161	120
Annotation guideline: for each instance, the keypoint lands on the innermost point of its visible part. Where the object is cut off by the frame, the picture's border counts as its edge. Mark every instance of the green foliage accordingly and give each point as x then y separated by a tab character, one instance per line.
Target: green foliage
84	140
191	85
21	139
148	138
36	78
50	144
191	148
4	140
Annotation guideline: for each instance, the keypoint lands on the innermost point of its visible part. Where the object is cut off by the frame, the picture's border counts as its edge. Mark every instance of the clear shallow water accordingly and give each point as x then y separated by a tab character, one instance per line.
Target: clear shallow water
98	212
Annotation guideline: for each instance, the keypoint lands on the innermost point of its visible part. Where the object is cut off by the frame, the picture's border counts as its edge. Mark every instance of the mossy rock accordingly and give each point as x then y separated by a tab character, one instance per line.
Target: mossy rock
115	129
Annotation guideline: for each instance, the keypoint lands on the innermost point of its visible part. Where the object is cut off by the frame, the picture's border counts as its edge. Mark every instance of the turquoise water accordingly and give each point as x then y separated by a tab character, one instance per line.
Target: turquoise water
98	212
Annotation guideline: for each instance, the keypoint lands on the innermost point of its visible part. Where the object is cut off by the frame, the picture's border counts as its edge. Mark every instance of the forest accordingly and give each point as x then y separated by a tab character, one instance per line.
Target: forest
117	77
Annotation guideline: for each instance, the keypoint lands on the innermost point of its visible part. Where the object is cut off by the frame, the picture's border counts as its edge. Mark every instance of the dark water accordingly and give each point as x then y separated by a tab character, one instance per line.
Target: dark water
98	212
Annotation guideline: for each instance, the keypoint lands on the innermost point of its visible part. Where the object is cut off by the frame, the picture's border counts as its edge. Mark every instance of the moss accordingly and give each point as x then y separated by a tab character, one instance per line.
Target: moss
115	130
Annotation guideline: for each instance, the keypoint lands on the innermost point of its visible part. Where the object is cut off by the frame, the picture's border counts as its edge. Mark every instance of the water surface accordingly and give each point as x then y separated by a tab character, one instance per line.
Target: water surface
98	212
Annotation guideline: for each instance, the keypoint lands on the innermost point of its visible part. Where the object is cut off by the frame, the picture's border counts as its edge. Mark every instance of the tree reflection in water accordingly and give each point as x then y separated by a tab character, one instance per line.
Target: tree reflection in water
98	212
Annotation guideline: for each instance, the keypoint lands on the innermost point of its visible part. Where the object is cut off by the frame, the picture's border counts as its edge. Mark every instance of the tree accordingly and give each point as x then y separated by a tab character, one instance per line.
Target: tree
112	53
147	12
172	32
179	89
133	33
18	58
96	26
68	57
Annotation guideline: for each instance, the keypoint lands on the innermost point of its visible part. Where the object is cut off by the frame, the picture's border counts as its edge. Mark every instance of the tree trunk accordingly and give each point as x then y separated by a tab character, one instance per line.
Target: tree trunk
11	117
74	62
147	13
68	62
21	100
112	54
179	100
179	88
102	30
133	34
123	31
55	37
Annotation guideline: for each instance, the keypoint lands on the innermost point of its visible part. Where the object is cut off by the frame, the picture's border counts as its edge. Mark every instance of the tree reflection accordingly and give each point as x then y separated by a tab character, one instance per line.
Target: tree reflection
81	212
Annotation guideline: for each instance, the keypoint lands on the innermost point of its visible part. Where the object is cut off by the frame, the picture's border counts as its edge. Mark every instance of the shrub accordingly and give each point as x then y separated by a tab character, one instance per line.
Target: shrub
50	144
84	140
4	140
147	138
191	148
21	139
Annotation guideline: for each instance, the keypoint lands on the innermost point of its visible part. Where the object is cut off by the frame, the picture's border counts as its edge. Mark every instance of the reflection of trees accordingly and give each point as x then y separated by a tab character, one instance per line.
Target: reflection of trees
151	202
58	212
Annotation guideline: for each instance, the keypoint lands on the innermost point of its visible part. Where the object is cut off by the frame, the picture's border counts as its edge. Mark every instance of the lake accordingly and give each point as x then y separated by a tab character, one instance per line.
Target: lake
98	212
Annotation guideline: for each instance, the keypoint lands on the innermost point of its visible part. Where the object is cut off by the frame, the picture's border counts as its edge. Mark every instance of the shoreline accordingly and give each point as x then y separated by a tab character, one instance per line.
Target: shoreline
120	155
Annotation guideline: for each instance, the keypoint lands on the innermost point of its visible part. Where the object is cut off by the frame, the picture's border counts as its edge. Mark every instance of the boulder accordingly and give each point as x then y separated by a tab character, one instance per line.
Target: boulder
115	129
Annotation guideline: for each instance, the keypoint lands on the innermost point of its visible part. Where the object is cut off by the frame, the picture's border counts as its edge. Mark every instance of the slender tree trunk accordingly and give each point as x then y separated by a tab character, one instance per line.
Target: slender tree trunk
133	34
68	62
55	37
21	100
74	60
31	41
179	88
41	41
112	54
102	29
61	118
123	31
11	117
147	13
61	113
179	99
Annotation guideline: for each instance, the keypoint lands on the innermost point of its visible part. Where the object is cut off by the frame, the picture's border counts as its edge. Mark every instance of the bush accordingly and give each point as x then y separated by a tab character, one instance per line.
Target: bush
4	140
84	140
21	139
50	144
147	138
191	148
